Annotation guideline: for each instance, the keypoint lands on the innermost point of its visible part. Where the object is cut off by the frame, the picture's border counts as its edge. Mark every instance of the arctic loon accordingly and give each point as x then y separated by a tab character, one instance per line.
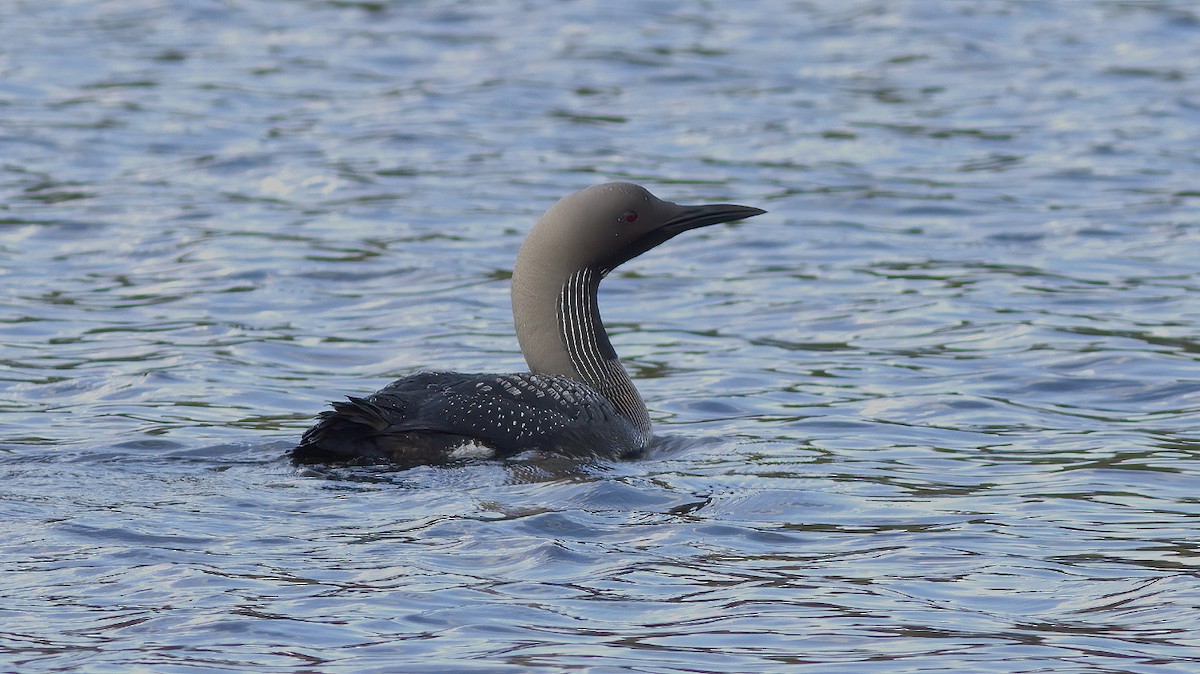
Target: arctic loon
576	399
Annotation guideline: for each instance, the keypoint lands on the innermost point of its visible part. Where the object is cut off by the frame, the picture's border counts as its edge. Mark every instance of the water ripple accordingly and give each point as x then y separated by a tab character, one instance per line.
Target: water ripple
937	411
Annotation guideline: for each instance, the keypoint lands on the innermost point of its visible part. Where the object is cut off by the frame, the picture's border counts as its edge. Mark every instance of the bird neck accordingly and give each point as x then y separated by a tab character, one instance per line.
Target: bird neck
560	331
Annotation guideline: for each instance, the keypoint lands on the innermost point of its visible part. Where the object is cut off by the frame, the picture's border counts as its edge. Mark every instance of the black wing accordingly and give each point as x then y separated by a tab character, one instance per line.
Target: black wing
423	418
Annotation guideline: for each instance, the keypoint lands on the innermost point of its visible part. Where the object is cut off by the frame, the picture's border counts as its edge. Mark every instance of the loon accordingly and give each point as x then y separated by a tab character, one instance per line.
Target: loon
576	399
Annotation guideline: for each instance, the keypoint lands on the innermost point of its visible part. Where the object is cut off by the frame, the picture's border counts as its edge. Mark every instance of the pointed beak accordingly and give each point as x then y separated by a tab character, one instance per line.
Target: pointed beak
685	218
692	217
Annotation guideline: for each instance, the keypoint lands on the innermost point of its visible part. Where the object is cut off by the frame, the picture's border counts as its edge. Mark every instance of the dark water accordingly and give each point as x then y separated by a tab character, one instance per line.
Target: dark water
938	411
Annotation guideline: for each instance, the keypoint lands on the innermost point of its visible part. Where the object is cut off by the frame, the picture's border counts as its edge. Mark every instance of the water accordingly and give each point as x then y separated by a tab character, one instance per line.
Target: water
937	411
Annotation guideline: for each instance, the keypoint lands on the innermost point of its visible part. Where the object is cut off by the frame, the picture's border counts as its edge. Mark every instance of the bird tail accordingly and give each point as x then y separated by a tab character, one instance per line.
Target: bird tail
359	432
348	433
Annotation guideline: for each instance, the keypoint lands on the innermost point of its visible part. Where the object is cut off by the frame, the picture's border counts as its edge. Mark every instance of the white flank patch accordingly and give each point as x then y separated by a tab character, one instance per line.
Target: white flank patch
471	450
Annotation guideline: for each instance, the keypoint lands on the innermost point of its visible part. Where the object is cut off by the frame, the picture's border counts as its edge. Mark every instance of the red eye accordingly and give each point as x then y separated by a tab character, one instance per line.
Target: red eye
630	216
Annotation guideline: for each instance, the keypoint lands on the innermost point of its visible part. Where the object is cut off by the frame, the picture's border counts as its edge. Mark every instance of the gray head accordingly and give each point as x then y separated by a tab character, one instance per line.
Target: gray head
605	225
581	239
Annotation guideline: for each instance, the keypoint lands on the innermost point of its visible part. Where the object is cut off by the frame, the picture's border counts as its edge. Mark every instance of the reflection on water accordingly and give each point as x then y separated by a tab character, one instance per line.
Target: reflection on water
936	411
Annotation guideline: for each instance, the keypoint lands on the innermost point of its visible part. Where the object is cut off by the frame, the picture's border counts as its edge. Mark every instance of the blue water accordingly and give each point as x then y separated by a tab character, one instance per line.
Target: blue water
937	411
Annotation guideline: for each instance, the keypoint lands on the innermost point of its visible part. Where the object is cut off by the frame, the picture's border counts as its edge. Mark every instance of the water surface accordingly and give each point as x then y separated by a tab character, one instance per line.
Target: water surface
936	411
